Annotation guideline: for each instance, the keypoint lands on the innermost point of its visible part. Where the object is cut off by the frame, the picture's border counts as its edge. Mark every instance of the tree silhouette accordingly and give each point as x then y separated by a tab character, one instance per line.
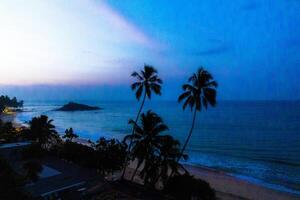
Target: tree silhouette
69	134
200	91
186	187
147	81
169	154
146	137
42	130
5	101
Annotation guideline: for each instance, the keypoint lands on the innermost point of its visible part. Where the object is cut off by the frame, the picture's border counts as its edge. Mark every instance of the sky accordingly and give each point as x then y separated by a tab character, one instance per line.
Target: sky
87	49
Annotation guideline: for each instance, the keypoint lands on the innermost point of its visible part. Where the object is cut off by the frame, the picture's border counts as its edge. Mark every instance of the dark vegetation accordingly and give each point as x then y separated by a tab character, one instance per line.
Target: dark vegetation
185	187
69	134
156	153
10	183
8	133
77	107
5	101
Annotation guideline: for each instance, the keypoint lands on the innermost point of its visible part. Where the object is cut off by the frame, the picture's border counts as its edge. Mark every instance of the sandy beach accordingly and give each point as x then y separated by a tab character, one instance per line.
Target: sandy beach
228	187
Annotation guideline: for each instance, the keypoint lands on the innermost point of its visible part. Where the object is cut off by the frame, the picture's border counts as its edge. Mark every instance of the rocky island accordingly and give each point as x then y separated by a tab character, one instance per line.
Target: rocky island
71	106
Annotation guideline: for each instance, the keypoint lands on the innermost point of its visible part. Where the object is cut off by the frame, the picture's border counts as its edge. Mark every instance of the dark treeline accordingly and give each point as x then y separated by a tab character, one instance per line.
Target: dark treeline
5	101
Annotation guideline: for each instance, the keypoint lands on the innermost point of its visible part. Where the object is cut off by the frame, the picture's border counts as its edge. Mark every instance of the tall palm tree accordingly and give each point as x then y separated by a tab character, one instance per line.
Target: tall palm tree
147	81
146	137
200	91
42	130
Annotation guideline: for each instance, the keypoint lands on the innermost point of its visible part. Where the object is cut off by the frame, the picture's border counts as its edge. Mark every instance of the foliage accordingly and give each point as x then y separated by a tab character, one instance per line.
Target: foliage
201	91
42	130
78	153
186	187
2	107
8	131
110	155
107	157
157	152
10	183
147	81
33	151
69	134
5	101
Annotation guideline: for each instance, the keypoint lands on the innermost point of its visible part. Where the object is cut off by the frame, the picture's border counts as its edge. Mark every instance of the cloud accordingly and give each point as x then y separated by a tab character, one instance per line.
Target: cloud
124	25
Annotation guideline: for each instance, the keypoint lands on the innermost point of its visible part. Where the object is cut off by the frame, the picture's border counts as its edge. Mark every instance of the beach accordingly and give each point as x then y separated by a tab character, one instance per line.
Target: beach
228	187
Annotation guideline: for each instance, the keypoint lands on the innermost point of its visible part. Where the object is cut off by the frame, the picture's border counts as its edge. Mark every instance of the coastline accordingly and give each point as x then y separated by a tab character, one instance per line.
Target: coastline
11	117
227	186
231	187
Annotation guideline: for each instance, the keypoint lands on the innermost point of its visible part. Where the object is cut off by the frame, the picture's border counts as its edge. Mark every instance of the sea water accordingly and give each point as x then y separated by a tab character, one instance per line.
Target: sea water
255	140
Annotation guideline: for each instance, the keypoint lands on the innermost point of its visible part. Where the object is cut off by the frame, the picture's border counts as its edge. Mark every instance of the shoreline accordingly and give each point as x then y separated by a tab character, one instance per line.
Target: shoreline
227	186
5	117
233	187
249	179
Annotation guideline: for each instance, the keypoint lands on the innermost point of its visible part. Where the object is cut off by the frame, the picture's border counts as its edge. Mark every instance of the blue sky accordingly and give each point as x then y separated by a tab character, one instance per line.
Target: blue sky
79	47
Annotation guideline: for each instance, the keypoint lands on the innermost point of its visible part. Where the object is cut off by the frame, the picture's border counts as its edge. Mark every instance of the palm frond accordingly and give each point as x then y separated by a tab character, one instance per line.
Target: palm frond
135	85
160	128
156	88
148	92
210	94
184	96
187	102
211	84
139	92
137	75
188	87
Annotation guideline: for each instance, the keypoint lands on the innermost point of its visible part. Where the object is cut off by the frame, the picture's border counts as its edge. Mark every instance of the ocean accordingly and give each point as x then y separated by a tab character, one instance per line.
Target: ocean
255	140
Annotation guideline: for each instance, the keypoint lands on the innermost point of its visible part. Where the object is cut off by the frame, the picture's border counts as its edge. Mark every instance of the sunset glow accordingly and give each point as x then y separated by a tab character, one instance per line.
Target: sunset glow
97	42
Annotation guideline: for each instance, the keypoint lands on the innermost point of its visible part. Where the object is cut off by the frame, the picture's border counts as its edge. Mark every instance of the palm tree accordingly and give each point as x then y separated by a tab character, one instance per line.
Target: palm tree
146	137
42	130
147	82
69	134
169	154
200	91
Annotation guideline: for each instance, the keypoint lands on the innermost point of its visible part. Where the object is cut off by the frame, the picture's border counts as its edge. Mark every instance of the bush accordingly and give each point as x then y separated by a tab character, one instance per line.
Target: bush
32	151
10	183
107	157
8	132
78	153
110	155
186	187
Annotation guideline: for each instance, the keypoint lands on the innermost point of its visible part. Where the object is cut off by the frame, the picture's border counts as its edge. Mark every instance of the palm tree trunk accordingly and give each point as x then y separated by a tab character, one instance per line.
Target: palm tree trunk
135	171
130	144
189	136
187	140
